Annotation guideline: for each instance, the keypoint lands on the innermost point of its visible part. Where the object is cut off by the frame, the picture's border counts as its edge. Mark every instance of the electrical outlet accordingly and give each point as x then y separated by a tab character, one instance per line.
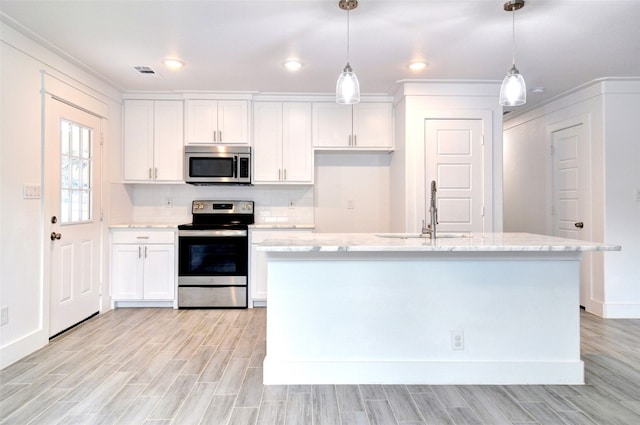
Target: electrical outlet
638	195
457	340
4	316
168	203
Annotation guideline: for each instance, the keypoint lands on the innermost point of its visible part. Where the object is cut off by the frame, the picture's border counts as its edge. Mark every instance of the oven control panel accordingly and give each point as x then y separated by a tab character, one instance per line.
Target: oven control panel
222	207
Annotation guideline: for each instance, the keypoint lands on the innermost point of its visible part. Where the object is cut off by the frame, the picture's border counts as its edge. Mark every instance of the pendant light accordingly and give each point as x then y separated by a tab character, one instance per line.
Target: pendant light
513	91
348	88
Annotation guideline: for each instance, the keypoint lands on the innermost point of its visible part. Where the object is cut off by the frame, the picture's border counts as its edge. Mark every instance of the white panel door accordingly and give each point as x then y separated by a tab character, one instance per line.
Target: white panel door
571	191
73	202
454	159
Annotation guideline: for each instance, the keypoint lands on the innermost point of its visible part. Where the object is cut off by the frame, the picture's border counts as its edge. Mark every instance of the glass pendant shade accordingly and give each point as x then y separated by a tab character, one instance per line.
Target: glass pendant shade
513	91
348	87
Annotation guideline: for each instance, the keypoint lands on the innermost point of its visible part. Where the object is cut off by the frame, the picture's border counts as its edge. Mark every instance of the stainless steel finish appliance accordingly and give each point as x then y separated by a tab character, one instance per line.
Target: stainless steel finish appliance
211	164
213	255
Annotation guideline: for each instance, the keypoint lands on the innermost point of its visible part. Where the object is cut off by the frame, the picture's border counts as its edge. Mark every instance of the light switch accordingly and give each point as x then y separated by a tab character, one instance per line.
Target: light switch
30	191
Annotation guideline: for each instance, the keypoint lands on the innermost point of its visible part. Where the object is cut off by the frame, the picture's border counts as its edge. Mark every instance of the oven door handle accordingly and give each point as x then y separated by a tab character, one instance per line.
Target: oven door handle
216	233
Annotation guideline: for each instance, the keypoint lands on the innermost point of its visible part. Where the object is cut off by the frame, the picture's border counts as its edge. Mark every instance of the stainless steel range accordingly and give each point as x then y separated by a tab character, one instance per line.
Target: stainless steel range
213	255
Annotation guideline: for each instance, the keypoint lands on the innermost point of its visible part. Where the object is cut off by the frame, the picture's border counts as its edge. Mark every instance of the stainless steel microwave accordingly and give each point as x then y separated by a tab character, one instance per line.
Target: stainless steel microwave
211	164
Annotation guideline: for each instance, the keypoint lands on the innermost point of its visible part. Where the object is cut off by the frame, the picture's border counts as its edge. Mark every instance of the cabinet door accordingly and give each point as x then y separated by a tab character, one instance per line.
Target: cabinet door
202	121
138	140
267	142
126	272
331	125
233	121
168	141
159	272
297	149
373	125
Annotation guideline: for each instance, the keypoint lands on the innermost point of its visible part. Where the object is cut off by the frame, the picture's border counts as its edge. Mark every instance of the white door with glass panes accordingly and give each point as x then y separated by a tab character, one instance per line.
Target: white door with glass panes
72	184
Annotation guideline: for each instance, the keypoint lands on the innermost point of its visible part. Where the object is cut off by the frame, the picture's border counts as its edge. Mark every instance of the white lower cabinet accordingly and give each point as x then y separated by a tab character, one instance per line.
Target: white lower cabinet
258	261
143	265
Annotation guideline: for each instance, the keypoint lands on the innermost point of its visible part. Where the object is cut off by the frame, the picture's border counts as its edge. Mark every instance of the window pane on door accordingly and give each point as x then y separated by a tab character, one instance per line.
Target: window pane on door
76	190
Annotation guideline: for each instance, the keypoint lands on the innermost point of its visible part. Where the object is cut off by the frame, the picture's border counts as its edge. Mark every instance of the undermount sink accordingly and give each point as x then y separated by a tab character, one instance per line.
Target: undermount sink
421	236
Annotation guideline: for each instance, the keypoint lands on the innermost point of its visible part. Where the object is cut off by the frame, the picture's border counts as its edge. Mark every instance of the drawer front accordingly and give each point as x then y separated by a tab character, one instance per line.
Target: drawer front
143	236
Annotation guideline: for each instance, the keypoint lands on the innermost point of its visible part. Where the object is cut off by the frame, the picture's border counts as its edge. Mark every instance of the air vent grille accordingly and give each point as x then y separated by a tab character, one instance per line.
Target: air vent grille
144	70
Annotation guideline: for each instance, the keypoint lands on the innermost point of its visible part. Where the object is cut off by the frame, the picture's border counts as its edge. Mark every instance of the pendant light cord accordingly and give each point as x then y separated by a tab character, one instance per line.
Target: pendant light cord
513	34
348	36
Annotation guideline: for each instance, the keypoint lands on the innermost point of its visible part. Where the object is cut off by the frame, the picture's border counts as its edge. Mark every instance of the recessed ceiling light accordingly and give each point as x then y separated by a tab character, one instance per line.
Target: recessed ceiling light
173	63
292	64
417	66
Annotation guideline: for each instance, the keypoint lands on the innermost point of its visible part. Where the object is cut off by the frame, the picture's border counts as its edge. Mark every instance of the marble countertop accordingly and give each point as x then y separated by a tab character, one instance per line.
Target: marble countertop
395	242
144	226
281	226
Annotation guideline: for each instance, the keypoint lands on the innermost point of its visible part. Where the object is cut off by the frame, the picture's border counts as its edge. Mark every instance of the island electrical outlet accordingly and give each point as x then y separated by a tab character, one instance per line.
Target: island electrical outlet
457	340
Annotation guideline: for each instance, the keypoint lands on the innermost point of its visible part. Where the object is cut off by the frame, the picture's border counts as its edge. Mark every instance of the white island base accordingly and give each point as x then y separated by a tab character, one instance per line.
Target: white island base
368	316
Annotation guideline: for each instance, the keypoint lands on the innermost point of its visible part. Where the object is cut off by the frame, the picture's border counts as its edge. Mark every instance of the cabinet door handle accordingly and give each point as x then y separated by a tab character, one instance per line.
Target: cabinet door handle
215	133
279	174
139	252
149	173
355	140
142	237
220	135
155	175
349	140
285	174
145	252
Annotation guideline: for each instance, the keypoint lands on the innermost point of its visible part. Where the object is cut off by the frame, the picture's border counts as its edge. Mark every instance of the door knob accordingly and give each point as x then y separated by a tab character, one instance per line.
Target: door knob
55	236
579	225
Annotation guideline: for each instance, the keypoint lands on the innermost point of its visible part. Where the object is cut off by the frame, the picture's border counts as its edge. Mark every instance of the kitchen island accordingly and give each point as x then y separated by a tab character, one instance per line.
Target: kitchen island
500	308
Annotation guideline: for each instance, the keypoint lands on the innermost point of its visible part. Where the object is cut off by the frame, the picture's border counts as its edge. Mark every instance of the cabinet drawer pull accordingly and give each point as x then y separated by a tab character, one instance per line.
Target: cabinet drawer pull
285	174
155	174
355	140
139	252
220	135
349	140
149	173
142	237
145	252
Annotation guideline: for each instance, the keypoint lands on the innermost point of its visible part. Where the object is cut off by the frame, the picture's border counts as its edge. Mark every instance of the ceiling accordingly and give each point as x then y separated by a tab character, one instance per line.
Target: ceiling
240	45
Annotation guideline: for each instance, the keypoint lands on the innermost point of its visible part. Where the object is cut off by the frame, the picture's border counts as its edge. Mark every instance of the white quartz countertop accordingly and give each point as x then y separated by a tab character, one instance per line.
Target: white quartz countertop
395	242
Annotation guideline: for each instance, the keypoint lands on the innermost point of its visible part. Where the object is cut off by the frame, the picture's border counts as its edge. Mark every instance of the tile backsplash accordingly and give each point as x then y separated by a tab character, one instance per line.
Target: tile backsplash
172	203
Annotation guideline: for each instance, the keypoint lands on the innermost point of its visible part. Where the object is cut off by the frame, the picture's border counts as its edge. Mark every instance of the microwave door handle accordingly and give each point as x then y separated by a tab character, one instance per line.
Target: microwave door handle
235	167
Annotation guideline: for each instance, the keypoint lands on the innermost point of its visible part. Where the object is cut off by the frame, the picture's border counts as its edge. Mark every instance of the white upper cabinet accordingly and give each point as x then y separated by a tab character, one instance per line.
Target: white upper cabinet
217	121
364	126
282	149
153	141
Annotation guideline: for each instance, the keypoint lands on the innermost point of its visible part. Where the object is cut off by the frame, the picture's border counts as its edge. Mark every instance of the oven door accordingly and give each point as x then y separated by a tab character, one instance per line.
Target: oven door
213	257
213	268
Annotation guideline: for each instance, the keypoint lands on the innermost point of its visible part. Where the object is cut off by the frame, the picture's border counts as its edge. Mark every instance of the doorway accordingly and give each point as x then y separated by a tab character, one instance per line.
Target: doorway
571	194
454	158
72	193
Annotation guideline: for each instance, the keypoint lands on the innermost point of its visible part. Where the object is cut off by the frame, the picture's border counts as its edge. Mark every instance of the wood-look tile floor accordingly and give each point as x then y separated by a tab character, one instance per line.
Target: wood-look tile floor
163	366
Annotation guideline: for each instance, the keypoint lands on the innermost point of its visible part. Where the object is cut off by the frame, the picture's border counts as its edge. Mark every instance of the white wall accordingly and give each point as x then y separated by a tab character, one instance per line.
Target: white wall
352	192
21	222
611	109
